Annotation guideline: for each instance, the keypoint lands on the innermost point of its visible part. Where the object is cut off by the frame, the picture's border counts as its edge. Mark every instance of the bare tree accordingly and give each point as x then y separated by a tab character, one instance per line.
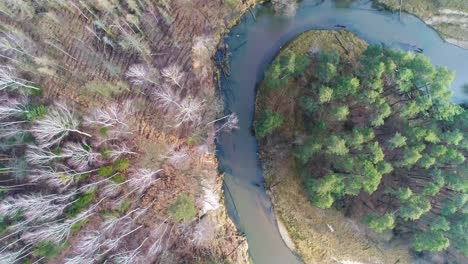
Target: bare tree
41	156
202	50
35	207
177	157
11	107
9	79
55	232
174	74
80	157
117	151
210	197
285	7
186	110
130	257
140	74
142	179
88	244
55	126
231	122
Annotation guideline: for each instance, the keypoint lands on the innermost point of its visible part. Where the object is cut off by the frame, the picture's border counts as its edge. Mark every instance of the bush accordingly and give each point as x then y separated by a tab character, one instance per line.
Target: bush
48	249
267	122
35	112
81	202
106	89
122	165
106	171
183	209
380	223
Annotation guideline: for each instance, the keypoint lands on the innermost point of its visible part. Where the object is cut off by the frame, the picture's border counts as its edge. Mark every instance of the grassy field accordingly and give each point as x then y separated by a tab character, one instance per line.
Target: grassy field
449	17
320	236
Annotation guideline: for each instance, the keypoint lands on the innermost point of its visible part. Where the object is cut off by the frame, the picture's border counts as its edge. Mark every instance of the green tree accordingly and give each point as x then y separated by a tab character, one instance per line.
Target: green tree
376	152
340	113
414	207
439	223
305	152
457	233
397	141
427	161
410	157
323	191
337	146
267	122
430	241
183	209
380	223
372	177
325	94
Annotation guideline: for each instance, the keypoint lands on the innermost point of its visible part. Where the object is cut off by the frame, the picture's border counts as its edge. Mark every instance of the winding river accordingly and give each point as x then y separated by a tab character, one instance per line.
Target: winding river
253	43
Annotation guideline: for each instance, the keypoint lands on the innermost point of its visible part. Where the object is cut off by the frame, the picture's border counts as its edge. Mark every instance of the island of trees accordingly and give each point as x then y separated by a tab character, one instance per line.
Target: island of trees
375	132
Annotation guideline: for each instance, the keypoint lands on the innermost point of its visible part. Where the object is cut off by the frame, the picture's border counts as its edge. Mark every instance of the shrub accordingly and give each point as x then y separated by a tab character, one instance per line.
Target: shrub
183	209
106	171
122	165
119	178
106	89
47	249
35	112
380	223
81	202
267	122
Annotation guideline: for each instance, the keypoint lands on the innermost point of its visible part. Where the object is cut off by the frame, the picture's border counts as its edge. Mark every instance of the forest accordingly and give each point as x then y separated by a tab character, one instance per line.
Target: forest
377	131
107	125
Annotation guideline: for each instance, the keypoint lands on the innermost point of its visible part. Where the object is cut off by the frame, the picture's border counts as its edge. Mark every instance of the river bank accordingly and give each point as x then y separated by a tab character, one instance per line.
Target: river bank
449	18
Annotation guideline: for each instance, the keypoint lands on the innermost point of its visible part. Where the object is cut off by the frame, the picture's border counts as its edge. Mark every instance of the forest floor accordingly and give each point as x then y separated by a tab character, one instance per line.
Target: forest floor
449	17
319	235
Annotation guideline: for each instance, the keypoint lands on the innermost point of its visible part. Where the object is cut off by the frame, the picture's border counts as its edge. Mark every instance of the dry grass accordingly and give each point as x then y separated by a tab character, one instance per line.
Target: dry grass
451	25
308	226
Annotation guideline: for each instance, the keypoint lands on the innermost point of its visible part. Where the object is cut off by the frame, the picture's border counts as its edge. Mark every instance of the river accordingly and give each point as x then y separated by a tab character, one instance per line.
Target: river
253	44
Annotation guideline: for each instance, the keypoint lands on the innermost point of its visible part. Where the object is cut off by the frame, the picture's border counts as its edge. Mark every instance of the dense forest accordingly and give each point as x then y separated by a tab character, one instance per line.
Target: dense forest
378	130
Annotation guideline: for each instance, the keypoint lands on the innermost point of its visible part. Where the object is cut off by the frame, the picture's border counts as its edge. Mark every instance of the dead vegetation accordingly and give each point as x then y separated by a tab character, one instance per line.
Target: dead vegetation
108	115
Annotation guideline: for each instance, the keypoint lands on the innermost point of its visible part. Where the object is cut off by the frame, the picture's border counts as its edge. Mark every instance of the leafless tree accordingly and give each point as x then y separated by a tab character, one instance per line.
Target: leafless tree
35	207
186	110
11	107
140	74
88	244
141	179
55	126
174	74
231	122
80	157
210	198
205	232
285	7
56	232
41	156
9	79
130	257
14	42
177	157
117	151
202	50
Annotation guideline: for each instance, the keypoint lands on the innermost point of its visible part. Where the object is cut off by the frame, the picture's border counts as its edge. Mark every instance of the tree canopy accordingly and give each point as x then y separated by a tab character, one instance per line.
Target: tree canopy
382	124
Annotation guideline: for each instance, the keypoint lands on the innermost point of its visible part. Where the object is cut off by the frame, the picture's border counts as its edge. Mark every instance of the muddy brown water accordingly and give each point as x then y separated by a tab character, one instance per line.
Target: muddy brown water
253	43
